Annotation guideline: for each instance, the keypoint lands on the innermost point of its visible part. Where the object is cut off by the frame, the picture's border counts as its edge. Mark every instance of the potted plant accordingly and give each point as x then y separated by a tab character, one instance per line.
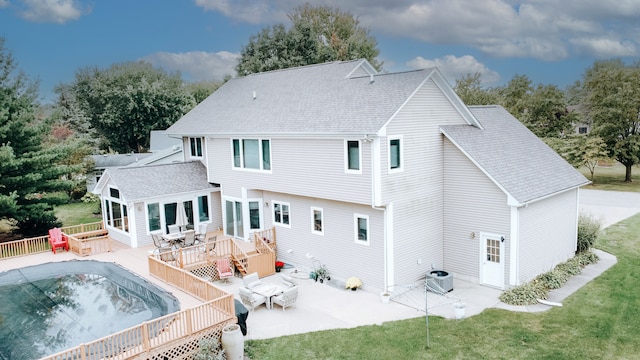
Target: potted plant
353	283
279	265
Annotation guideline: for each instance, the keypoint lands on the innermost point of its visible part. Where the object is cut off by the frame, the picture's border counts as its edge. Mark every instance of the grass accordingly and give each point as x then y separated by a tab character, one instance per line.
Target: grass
612	178
600	321
78	213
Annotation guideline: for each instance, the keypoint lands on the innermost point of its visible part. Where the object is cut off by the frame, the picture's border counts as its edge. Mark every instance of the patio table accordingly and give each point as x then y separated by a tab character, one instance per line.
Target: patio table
174	238
268	291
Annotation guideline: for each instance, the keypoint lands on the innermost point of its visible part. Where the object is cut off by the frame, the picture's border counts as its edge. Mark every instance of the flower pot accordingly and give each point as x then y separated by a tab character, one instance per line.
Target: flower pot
278	269
232	342
459	310
385	297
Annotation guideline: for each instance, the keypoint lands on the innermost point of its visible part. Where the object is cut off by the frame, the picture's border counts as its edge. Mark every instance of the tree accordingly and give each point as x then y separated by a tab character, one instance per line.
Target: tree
202	89
126	101
580	150
612	96
28	171
471	92
317	35
546	112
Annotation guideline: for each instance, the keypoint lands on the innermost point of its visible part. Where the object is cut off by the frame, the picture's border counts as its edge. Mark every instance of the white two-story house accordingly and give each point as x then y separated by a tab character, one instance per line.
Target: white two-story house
380	176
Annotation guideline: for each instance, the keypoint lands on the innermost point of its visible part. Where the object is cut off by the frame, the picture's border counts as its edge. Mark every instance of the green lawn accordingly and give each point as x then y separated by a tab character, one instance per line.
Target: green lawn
600	321
78	213
612	178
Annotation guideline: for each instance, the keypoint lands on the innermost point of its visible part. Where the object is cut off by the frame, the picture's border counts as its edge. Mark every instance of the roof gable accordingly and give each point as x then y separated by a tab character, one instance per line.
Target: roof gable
514	158
144	182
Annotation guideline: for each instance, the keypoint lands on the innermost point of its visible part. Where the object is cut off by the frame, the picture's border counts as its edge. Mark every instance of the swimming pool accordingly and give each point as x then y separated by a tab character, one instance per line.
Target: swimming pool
47	308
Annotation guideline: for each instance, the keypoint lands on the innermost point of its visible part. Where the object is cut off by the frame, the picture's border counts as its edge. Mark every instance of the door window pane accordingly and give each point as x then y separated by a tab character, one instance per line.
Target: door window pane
203	208
254	215
154	216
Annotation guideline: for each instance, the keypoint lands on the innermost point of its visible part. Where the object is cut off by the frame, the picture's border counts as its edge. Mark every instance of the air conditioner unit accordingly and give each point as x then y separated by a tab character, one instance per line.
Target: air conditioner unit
439	281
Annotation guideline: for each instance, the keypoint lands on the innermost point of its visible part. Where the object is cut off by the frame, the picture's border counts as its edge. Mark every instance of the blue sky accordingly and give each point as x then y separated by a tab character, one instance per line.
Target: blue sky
550	41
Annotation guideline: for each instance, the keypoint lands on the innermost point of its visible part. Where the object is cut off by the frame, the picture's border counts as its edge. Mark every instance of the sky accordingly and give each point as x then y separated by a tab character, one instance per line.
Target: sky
549	41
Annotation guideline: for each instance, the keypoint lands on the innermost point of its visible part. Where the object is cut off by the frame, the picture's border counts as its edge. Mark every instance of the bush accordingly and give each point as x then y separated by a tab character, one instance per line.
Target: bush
570	267
553	279
525	294
588	230
587	257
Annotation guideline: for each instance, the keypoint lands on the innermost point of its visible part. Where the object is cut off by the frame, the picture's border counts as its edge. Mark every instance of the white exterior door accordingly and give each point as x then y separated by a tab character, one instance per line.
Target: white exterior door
492	260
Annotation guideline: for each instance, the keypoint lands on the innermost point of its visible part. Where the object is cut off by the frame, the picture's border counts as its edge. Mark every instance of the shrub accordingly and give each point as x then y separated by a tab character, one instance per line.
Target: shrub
525	294
553	279
588	230
587	257
570	267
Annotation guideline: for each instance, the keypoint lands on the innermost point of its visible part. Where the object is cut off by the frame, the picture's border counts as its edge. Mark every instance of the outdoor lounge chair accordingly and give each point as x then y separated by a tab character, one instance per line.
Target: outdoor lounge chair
287	298
251	281
174	229
250	299
223	266
158	241
57	240
288	281
201	235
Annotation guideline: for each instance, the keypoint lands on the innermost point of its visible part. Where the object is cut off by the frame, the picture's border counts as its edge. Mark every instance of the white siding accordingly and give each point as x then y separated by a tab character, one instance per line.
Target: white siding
417	191
473	204
336	248
306	167
548	232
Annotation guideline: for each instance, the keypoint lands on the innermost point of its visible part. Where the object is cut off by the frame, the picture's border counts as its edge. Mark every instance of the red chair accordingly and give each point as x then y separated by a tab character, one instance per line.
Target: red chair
57	240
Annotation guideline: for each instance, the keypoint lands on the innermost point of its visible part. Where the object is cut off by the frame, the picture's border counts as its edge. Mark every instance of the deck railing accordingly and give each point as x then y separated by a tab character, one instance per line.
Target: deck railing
176	335
24	247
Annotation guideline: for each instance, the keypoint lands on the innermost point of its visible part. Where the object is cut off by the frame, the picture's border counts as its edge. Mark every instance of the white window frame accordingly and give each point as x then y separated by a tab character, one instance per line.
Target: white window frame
192	149
109	220
273	213
261	155
346	157
313	221
400	168
356	229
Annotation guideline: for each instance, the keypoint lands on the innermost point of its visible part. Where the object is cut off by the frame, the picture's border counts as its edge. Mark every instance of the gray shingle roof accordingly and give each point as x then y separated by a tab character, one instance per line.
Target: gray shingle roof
112	160
138	183
315	99
517	160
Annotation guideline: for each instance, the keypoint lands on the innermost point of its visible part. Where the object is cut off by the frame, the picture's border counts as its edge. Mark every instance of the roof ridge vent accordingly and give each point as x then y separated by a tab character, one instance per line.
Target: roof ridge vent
371	79
254	95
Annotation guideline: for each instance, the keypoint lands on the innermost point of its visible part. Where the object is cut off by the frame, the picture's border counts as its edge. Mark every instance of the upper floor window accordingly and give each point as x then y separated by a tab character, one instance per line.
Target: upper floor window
582	130
395	154
281	213
196	147
353	156
114	193
252	154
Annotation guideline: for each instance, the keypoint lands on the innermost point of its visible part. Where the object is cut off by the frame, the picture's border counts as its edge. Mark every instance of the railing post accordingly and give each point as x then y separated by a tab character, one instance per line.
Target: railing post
187	314
146	343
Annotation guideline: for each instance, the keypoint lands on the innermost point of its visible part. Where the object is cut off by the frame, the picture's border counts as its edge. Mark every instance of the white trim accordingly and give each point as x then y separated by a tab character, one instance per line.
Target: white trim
346	157
389	266
313	221
514	248
483	251
400	168
260	155
376	176
202	150
356	229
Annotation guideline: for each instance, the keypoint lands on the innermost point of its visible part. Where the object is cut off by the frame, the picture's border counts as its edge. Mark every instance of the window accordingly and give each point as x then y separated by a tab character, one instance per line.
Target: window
153	214
281	213
254	215
203	208
252	154
582	130
317	221
353	156
361	229
116	211
114	193
196	147
395	154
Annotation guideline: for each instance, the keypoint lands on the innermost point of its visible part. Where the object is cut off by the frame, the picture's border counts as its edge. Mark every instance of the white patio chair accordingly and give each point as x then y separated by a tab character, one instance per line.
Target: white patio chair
288	281
174	229
287	298
167	255
251	280
251	299
189	238
201	235
158	241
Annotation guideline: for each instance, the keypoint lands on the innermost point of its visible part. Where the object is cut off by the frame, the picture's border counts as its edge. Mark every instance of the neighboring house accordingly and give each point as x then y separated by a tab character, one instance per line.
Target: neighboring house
103	162
380	176
159	140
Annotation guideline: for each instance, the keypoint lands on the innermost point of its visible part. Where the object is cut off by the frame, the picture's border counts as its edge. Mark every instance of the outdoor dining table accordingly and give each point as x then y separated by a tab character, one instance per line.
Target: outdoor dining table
268	291
174	238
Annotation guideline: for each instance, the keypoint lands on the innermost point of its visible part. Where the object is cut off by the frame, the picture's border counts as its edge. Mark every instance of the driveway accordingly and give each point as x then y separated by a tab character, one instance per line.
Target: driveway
609	207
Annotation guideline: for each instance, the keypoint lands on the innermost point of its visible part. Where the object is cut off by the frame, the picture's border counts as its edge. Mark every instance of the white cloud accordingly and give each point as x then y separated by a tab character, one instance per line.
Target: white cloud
196	65
453	68
541	29
55	11
4	3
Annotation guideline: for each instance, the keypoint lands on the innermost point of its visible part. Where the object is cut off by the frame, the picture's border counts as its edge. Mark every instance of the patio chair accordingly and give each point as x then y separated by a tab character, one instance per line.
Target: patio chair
223	267
201	235
166	254
174	229
287	298
158	241
58	240
189	238
251	280
251	299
